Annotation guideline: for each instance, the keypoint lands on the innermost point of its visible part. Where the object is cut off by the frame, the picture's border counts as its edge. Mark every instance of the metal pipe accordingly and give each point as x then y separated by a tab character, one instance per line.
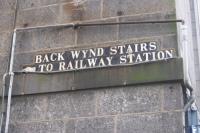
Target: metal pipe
12	53
47	26
129	22
76	25
2	104
187	85
189	103
9	102
11	74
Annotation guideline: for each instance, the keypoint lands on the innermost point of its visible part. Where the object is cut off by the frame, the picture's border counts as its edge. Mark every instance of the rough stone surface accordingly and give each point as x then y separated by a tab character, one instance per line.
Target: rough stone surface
173	97
95	125
38	127
170	41
129	100
4	64
18	84
44	39
65	1
53	106
7	6
37	17
70	126
73	104
25	4
5	42
82	79
146	30
78	11
151	123
39	83
90	111
28	108
24	41
7	21
132	7
56	12
97	34
122	76
22	60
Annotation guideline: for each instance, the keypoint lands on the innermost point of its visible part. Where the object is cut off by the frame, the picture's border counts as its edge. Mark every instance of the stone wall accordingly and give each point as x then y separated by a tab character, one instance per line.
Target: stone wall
148	108
93	101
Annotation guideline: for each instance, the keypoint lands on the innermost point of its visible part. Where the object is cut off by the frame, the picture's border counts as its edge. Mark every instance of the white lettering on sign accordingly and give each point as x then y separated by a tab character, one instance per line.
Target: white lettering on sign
125	54
49	58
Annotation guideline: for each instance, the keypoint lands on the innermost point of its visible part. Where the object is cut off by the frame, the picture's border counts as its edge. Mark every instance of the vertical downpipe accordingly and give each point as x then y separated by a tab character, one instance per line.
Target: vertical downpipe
2	105
11	74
